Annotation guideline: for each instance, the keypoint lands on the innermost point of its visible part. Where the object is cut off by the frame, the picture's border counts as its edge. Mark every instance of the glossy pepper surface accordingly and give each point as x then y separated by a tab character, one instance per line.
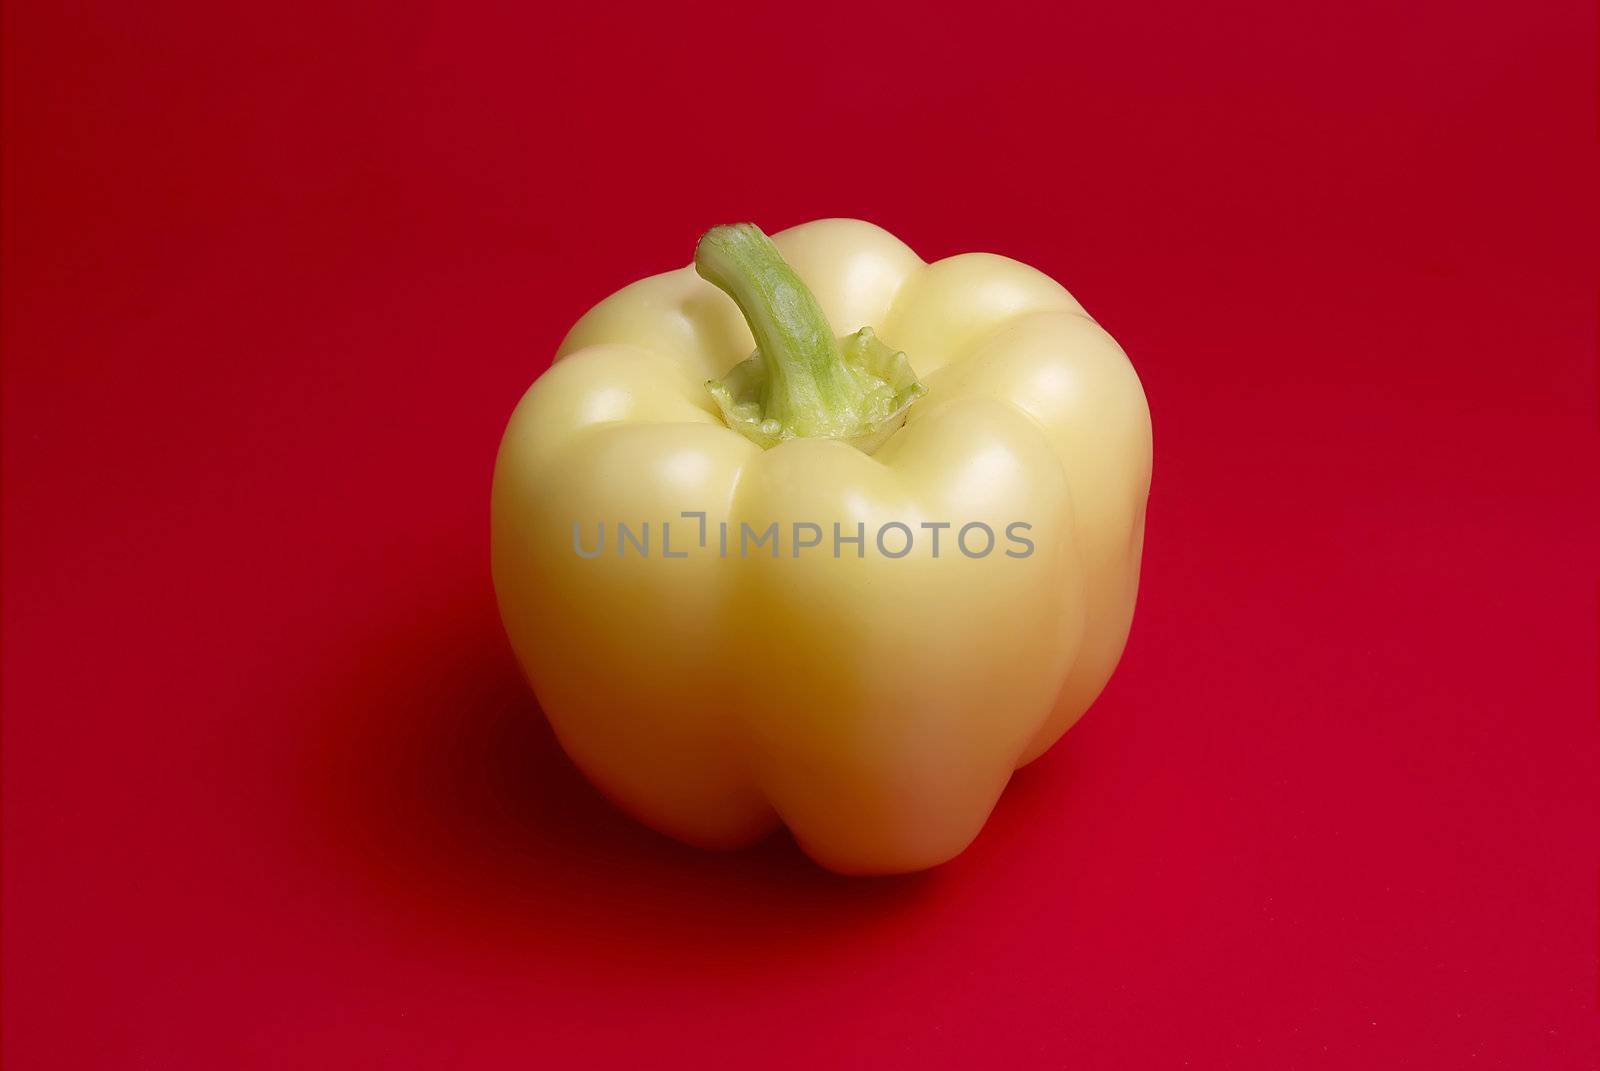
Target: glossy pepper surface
874	695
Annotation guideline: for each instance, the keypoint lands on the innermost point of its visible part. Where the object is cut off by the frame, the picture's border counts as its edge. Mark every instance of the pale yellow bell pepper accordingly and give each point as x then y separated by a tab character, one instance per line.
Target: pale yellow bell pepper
873	695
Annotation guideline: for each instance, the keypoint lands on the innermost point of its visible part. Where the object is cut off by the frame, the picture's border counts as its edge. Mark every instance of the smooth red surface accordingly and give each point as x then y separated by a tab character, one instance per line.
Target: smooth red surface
275	796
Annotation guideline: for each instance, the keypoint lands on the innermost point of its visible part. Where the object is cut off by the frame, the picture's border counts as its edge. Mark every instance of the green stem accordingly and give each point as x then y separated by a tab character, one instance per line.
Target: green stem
808	389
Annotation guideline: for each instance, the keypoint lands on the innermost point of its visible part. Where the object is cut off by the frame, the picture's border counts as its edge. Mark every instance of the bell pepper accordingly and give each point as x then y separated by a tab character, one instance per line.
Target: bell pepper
812	532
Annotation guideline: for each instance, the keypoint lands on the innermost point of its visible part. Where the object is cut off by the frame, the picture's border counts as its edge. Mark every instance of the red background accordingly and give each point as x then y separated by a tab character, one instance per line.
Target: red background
274	795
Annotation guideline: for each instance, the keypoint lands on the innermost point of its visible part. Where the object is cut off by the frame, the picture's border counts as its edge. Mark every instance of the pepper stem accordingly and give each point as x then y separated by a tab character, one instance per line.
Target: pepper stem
801	382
